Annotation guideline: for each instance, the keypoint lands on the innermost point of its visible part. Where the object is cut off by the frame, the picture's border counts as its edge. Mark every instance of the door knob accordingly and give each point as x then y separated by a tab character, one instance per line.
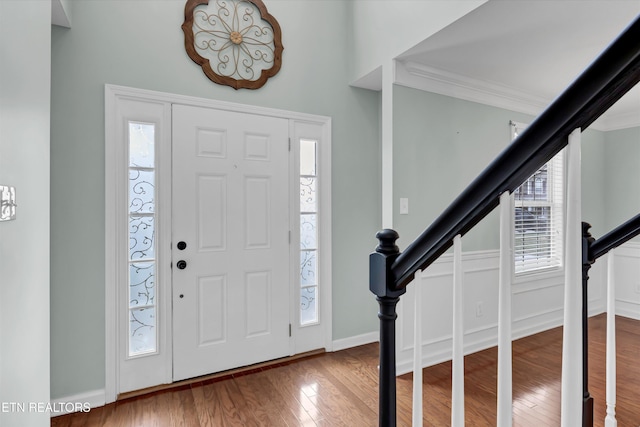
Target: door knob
182	245
182	264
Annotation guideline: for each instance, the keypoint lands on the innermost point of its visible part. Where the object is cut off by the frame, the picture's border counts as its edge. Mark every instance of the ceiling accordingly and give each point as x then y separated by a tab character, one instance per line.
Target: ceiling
521	54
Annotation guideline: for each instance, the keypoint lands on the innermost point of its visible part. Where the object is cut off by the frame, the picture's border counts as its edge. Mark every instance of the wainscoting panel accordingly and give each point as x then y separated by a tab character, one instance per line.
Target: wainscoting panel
627	278
537	305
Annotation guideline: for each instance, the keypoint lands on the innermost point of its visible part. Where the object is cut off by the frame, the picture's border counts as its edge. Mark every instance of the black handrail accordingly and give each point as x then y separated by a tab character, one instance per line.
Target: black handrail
607	79
614	238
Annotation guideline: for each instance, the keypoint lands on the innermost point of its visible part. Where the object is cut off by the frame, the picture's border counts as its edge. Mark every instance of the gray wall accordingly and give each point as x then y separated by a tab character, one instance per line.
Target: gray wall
24	242
441	144
140	44
594	179
622	175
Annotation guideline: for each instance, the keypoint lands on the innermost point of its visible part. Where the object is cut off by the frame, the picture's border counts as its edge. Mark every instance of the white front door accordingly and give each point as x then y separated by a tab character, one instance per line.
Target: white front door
230	240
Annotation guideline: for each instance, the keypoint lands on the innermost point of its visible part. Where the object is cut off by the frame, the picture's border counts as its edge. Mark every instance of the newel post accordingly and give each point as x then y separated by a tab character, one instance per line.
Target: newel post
381	283
587	399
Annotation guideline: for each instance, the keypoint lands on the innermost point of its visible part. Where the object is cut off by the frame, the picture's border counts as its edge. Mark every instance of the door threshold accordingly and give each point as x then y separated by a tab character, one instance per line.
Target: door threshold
219	376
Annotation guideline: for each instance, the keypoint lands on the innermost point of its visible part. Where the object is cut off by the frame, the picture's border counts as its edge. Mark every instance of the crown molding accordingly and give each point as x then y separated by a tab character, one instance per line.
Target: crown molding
430	79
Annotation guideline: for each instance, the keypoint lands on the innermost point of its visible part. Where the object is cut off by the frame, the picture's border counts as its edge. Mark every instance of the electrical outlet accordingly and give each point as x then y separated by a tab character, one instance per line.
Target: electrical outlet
479	309
638	288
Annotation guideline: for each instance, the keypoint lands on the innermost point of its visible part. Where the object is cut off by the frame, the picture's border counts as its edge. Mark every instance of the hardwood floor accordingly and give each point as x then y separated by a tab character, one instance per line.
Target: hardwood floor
340	389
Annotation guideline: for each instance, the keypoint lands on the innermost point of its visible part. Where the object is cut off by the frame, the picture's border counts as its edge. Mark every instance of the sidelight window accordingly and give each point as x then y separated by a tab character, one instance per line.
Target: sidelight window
308	232
142	242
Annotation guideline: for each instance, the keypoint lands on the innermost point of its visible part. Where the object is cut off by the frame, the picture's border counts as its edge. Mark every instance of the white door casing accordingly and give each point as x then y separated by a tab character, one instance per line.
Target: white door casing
309	336
155	107
231	209
126	372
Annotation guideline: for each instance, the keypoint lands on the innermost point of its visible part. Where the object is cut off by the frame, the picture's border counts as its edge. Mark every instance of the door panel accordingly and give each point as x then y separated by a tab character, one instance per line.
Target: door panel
211	197
211	296
231	208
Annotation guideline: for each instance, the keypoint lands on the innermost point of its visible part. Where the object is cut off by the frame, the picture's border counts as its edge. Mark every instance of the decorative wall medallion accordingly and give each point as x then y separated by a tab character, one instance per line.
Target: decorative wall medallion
236	42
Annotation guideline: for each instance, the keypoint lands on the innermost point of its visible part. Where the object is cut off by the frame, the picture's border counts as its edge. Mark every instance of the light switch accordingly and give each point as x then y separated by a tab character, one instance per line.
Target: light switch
7	203
404	206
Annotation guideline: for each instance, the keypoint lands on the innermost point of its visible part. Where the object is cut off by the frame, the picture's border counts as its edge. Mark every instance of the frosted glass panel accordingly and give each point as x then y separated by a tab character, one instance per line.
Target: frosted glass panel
141	144
142	262
141	191
308	200
141	237
142	331
142	284
308	268
308	306
307	157
308	233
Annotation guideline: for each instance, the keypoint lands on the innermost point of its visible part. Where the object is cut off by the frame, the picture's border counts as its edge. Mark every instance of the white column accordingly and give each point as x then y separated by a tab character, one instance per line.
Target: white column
610	419
505	373
457	374
572	332
417	352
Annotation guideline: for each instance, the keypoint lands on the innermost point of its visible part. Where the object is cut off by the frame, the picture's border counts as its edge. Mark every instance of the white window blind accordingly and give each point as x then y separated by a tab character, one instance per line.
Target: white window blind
538	216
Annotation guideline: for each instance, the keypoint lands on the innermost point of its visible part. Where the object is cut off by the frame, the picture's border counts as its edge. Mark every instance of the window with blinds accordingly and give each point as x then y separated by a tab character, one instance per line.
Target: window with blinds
538	216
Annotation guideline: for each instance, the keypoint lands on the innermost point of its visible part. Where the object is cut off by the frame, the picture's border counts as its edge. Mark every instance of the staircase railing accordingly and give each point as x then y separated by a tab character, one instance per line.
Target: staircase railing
607	79
592	249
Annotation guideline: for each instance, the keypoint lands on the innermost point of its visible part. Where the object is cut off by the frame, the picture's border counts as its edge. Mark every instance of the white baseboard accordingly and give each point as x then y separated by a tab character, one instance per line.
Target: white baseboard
537	306
439	351
474	341
82	402
355	341
628	309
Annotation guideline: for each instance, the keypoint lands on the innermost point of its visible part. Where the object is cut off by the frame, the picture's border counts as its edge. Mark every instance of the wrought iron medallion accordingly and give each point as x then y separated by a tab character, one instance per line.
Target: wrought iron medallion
236	42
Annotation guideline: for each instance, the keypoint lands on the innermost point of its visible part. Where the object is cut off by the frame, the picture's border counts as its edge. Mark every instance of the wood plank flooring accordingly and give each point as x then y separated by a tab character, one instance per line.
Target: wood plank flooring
340	389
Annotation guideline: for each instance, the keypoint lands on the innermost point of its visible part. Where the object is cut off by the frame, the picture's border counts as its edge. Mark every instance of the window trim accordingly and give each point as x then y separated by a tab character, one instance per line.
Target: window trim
321	133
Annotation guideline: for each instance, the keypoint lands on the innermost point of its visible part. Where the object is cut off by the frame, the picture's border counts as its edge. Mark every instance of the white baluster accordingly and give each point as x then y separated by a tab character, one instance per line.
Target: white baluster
417	352
505	393
610	420
457	374
571	405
